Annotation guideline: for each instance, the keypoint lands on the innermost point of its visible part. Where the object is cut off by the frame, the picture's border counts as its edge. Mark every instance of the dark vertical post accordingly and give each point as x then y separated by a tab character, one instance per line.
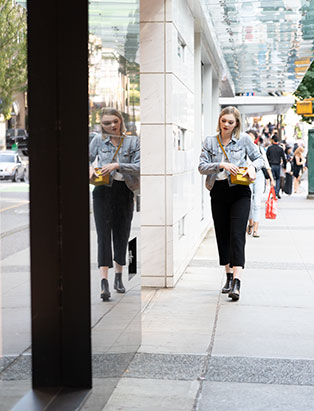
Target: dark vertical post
59	192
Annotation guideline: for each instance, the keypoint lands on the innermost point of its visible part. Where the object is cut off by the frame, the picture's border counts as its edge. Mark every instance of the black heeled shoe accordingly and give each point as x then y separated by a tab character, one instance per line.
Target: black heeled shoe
227	287
235	290
105	293
118	284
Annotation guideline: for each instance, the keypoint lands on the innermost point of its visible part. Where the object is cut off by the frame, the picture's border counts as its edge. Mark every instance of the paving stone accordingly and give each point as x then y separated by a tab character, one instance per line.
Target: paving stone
218	396
261	370
166	366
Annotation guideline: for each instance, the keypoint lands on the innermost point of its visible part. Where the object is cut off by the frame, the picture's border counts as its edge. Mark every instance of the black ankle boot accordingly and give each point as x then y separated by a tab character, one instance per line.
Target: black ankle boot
118	284
235	290
105	293
227	287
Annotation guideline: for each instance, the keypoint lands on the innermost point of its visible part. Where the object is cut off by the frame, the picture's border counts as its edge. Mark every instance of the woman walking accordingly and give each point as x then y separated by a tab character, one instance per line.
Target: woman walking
298	162
118	158
258	187
222	155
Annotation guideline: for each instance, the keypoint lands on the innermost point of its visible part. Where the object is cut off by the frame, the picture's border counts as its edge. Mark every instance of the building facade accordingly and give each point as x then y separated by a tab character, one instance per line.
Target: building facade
182	77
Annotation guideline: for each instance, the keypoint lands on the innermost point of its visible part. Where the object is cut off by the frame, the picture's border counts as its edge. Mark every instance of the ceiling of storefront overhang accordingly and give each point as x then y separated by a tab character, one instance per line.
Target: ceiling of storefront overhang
116	23
267	44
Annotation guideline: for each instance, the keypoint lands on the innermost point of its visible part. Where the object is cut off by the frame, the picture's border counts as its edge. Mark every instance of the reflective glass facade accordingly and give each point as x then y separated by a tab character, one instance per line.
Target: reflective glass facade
267	44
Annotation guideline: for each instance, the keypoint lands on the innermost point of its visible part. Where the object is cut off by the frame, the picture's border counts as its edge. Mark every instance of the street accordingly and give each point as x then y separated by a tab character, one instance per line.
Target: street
14	217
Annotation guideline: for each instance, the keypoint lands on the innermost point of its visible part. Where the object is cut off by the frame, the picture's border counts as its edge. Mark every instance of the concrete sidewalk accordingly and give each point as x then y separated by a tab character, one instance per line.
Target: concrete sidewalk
200	351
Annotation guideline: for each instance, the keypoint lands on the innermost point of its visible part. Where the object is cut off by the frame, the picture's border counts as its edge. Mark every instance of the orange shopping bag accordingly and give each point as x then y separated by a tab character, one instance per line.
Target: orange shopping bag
271	204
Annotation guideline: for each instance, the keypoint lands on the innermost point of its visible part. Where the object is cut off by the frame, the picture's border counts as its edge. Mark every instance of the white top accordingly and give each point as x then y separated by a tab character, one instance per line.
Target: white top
117	176
222	175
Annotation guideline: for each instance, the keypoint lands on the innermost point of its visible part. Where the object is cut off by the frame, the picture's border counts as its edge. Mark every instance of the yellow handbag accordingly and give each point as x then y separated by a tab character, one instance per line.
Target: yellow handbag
99	179
239	178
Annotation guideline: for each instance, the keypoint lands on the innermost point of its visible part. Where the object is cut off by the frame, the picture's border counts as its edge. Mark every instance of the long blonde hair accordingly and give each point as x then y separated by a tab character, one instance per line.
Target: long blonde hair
109	111
231	110
299	152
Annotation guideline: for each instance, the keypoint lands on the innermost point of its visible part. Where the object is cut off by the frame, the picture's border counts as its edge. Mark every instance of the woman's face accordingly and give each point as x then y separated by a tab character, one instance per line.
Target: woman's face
227	123
111	124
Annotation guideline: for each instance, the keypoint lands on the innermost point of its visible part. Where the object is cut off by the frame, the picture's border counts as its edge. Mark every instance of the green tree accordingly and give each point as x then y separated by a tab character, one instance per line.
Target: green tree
13	54
306	89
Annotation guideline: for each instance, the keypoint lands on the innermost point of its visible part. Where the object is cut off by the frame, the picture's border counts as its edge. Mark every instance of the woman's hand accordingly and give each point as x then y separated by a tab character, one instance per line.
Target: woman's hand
272	182
231	168
250	172
91	172
108	168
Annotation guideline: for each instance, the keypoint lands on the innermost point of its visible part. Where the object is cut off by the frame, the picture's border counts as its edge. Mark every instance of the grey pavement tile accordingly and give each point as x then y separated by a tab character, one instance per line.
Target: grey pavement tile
21	369
268	332
11	392
261	370
15	269
100	393
110	365
166	366
266	265
5	361
254	397
135	394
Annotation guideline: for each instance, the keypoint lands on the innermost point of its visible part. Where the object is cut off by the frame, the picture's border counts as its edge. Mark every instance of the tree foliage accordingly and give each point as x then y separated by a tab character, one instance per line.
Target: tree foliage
306	89
13	53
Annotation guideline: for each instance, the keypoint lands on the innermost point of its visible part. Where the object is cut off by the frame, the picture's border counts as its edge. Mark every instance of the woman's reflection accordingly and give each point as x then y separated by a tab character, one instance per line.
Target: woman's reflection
118	161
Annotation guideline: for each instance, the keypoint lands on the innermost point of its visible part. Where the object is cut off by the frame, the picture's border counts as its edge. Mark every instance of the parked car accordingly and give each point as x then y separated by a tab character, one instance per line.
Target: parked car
11	166
18	137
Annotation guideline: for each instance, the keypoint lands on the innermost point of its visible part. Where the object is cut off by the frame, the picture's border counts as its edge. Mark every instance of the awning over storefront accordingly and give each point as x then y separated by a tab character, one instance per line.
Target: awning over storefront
267	44
259	105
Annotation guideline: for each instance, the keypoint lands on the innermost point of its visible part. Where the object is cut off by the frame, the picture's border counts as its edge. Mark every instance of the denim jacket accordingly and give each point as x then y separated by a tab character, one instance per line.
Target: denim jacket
128	157
237	151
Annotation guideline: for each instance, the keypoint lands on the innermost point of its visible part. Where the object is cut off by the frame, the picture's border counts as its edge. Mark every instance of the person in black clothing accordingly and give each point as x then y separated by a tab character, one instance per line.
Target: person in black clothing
275	154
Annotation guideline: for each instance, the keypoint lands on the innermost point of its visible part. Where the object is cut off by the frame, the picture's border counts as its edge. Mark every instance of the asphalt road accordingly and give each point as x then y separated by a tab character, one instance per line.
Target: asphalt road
14	217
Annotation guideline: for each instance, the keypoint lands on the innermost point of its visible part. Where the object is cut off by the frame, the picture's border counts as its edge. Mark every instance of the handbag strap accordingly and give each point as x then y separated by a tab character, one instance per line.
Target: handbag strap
117	150
222	148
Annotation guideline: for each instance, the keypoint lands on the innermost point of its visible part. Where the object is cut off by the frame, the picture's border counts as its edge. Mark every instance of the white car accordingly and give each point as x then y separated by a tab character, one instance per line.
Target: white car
11	166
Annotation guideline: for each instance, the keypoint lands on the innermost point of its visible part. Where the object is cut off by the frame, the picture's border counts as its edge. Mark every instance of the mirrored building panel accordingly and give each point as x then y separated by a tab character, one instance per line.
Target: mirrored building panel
114	97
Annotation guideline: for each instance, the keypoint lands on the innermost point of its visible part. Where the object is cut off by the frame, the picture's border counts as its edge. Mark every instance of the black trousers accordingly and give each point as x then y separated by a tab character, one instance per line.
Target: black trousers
113	212
230	210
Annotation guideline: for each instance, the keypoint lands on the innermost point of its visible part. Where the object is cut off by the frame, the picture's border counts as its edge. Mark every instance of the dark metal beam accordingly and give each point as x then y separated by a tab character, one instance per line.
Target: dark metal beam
59	193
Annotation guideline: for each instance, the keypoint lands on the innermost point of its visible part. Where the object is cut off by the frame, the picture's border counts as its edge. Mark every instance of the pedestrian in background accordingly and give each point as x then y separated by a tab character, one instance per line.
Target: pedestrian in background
118	156
289	175
297	166
258	187
222	155
275	155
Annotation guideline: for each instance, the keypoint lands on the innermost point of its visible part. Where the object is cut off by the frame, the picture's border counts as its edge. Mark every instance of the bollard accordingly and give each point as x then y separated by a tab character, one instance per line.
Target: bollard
310	161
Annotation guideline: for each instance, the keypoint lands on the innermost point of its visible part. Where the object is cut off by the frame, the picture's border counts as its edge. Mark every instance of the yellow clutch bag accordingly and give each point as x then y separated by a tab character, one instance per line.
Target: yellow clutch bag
100	180
239	179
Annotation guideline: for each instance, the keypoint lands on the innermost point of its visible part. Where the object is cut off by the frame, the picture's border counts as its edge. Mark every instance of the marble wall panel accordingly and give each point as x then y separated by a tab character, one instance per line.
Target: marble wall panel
179	160
153	252
152	40
152	10
179	103
183	190
153	200
181	64
153	145
179	12
152	98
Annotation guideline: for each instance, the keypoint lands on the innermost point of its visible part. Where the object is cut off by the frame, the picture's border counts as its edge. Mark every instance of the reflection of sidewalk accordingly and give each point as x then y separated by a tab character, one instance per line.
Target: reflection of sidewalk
201	350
